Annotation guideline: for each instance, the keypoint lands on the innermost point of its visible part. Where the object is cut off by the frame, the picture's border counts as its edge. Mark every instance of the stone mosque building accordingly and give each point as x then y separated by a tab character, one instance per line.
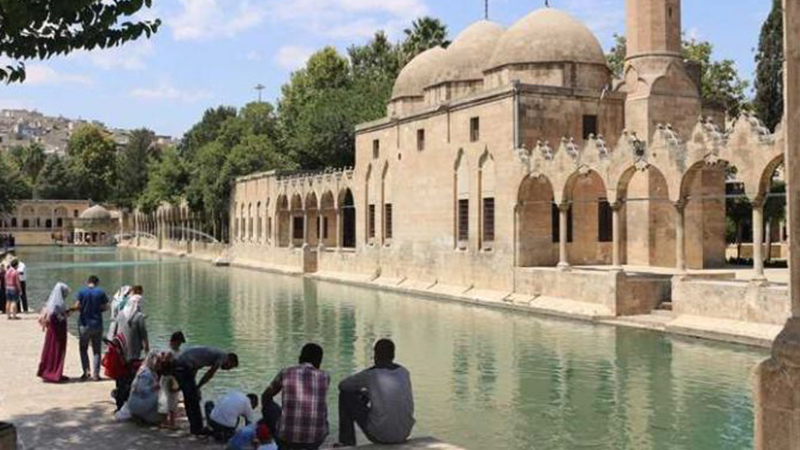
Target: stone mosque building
513	167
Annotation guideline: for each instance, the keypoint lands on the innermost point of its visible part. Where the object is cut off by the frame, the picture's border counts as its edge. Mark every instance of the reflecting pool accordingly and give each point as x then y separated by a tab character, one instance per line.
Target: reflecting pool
483	379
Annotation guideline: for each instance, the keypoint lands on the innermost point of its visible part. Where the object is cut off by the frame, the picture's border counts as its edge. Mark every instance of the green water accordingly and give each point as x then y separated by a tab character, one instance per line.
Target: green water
483	379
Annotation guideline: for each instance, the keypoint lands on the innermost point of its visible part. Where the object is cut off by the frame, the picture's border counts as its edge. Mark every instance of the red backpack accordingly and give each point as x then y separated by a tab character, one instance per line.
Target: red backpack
114	359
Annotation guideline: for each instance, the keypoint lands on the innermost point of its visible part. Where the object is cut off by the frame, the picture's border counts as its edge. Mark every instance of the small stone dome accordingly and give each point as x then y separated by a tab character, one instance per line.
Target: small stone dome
544	36
469	54
417	74
96	212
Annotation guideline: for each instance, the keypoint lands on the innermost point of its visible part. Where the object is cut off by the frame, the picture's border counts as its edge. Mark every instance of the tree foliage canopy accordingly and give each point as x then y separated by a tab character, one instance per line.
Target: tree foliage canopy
43	28
768	103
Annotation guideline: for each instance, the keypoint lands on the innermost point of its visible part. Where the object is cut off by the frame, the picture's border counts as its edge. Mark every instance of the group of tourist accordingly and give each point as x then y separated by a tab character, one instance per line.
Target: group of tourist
13	287
378	399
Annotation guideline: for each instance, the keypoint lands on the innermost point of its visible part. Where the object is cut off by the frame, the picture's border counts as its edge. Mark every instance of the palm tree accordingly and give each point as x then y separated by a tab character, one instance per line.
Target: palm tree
425	33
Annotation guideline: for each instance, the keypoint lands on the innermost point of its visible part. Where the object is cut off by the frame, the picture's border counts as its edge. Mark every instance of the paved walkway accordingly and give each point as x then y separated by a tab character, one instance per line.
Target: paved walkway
79	416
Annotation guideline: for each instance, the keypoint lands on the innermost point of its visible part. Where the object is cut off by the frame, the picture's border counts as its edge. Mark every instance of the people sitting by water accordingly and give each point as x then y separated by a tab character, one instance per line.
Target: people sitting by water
53	320
224	416
170	390
132	328
142	404
92	302
187	365
256	436
378	399
118	303
13	290
302	423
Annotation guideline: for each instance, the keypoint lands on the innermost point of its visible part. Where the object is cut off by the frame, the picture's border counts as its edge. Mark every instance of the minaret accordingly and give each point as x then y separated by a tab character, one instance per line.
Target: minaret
660	89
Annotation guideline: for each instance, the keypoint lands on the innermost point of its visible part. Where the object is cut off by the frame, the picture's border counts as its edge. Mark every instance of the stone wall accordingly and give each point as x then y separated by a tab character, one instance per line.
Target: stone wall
731	300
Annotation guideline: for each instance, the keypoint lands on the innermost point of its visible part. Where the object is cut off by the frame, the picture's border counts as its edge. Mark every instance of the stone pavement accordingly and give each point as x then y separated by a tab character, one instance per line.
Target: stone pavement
80	415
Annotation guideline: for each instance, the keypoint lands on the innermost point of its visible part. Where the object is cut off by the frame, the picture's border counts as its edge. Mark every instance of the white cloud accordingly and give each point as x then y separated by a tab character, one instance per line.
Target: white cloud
343	19
206	19
293	57
39	75
131	56
166	91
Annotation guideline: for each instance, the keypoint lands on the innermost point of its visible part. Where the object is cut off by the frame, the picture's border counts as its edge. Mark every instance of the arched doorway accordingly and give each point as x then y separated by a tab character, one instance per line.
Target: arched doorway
536	235
649	220
347	205
592	227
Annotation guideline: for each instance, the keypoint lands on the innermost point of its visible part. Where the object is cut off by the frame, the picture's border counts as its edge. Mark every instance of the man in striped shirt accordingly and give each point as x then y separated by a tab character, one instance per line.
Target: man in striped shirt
301	422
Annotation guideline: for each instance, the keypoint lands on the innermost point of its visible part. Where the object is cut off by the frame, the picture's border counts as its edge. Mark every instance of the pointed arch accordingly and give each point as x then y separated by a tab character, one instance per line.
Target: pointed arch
461	201
486	182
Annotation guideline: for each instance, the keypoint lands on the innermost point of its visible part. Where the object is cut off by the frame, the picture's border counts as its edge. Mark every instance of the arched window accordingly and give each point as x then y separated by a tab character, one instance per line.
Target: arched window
259	229
26	223
462	201
487	185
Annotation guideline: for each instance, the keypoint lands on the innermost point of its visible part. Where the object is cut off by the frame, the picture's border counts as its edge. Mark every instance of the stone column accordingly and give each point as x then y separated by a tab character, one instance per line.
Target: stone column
680	236
758	241
306	229
563	223
777	382
616	250
339	228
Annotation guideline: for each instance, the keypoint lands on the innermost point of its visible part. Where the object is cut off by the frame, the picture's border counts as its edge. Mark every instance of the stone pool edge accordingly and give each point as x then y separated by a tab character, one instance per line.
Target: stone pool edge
687	326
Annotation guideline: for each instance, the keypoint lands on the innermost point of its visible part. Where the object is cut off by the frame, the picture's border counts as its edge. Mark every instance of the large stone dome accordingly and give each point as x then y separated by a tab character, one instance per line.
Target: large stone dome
96	212
469	54
417	74
544	36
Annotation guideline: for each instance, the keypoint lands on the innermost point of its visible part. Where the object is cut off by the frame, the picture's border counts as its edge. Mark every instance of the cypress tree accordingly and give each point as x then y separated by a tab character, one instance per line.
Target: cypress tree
769	71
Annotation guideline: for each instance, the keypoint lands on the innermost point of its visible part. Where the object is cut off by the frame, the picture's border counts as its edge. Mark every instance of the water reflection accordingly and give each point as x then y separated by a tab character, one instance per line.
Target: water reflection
482	378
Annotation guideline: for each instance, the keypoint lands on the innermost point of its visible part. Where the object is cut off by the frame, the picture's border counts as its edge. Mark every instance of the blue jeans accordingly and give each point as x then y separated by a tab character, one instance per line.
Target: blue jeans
93	336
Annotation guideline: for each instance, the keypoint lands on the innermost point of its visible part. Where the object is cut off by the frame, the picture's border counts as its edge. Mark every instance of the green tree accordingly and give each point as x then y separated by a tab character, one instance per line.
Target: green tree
768	102
616	56
424	34
92	163
15	187
313	90
55	182
720	83
30	160
167	182
132	166
205	131
774	213
43	28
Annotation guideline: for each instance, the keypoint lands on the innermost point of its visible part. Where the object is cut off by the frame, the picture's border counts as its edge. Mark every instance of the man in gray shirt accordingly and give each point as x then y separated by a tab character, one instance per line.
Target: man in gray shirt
187	364
379	399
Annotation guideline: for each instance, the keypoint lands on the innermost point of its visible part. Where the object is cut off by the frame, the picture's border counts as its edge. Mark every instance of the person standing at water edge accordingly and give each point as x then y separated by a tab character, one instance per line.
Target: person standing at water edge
302	423
378	399
23	292
13	289
168	394
54	322
92	302
186	367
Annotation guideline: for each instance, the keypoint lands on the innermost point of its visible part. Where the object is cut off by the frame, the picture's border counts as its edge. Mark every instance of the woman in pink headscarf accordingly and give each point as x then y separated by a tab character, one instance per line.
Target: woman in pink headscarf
54	322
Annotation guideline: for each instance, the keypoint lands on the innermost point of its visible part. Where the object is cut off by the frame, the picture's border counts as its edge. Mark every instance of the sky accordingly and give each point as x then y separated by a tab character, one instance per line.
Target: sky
213	52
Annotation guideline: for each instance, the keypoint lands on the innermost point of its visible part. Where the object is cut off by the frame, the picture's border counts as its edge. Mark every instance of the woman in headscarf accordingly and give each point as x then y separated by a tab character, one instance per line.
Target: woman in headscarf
131	325
117	305
143	401
54	322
